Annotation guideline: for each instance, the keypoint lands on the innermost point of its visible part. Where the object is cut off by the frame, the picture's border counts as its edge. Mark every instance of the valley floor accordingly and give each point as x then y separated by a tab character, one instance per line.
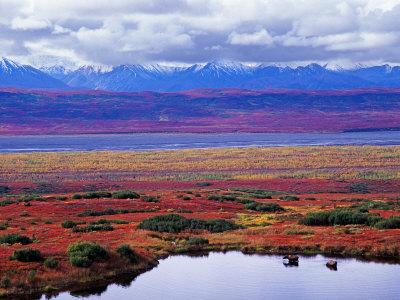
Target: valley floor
266	193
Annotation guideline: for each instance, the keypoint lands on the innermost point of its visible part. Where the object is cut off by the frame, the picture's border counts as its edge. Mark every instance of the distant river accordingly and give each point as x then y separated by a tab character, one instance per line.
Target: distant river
236	276
159	141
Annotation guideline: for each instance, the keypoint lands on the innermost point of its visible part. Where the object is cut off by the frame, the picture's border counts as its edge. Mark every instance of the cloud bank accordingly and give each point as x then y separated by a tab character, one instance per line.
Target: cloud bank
190	31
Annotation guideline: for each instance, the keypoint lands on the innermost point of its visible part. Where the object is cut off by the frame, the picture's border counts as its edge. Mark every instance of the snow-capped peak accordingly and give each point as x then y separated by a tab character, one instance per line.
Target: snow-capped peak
90	69
8	65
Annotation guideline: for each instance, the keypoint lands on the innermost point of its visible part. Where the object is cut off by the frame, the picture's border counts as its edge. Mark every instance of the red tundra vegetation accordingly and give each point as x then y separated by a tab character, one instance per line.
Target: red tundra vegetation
72	220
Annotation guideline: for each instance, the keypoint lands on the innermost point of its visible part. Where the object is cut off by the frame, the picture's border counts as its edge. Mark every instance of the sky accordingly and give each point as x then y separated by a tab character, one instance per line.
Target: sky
179	32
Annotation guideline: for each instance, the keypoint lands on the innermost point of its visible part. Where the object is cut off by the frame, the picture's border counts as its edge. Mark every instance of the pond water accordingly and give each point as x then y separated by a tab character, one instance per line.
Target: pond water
157	141
234	275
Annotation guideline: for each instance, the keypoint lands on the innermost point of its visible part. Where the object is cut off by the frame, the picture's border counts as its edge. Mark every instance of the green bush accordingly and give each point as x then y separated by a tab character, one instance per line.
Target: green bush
289	198
264	207
7	202
27	255
51	263
3	226
104	221
15	238
96	195
80	261
177	223
69	224
127	252
340	216
375	205
29	198
94	227
77	196
197	241
150	199
128	194
203	184
110	211
5	282
258	193
4	189
83	254
186	198
222	198
359	188
389	223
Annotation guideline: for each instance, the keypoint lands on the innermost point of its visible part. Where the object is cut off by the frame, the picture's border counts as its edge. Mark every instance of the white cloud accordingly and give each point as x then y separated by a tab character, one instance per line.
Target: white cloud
187	31
261	37
29	23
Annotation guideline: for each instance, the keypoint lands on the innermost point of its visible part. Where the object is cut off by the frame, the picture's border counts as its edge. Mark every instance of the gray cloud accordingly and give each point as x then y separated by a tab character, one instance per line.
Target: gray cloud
189	31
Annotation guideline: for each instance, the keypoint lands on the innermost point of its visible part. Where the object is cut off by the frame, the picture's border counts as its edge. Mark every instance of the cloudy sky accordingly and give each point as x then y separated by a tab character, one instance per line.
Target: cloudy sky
114	32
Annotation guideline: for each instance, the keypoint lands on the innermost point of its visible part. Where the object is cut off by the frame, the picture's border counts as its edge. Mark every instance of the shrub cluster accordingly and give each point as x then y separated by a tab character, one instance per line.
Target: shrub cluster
375	205
258	193
105	221
359	188
4	189
27	255
150	199
111	211
127	252
51	263
96	195
203	184
7	202
222	198
83	254
69	224
340	216
389	223
15	238
197	241
93	227
127	194
177	223
289	198
264	207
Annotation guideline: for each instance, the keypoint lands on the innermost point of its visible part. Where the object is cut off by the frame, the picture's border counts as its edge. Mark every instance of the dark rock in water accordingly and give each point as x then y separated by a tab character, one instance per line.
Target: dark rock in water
291	257
291	260
291	263
332	264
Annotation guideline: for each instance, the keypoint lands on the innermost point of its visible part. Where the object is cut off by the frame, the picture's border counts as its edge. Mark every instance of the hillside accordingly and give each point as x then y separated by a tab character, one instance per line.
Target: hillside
205	110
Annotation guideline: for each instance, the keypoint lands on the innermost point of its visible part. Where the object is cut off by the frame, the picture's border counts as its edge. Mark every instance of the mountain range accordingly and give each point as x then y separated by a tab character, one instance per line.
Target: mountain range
217	74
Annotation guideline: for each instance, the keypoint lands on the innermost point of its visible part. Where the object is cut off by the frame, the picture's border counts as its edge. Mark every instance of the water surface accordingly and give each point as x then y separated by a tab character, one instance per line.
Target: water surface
237	276
157	141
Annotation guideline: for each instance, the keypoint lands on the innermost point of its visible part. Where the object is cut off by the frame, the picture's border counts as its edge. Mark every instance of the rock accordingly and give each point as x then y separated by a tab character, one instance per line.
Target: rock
291	260
332	264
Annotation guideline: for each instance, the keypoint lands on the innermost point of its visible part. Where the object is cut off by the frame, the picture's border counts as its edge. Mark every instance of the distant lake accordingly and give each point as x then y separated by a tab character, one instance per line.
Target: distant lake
237	276
157	141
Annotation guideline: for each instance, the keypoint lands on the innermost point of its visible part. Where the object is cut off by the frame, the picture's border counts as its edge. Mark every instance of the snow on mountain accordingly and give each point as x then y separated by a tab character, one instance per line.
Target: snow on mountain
215	74
13	74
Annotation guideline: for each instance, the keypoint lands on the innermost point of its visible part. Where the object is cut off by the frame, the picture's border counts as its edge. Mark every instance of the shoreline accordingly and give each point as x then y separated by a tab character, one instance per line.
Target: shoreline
130	274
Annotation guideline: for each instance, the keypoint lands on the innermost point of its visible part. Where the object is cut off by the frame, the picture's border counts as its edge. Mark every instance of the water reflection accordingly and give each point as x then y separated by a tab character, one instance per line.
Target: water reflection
237	276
